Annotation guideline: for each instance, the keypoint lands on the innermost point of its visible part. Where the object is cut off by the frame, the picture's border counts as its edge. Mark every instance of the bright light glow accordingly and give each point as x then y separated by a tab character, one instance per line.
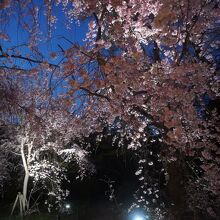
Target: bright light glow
138	217
67	206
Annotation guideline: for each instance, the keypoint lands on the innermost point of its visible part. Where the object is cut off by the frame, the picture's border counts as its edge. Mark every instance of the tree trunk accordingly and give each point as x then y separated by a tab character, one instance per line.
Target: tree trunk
25	186
26	178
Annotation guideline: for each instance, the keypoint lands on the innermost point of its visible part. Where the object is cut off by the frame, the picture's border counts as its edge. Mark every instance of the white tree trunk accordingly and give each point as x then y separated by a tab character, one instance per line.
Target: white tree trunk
26	177
21	198
25	187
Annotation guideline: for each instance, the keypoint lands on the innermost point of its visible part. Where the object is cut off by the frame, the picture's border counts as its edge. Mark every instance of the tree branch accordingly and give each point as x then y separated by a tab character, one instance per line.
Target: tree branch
95	94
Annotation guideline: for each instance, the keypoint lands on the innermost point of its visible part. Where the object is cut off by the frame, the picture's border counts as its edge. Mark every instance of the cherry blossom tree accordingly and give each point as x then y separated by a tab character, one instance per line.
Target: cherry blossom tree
151	63
43	139
44	151
168	87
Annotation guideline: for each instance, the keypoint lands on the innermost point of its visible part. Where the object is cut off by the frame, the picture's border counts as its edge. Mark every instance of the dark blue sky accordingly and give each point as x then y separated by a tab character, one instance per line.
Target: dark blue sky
18	36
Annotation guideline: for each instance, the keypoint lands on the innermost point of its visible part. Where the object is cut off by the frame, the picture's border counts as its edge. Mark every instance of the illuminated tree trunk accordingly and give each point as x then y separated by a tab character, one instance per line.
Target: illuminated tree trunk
25	161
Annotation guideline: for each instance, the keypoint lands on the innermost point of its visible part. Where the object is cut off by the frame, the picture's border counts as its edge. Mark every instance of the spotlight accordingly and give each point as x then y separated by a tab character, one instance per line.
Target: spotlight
67	206
138	217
